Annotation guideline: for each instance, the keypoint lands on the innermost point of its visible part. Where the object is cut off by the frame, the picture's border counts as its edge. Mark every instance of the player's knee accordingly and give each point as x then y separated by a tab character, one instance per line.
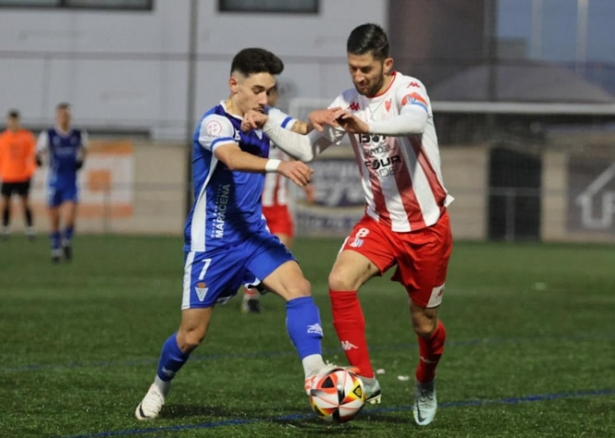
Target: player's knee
340	279
188	340
424	327
300	288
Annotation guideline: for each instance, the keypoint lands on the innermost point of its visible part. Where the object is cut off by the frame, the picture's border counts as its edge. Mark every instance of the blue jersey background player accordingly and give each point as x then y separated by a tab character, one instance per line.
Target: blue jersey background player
227	242
65	150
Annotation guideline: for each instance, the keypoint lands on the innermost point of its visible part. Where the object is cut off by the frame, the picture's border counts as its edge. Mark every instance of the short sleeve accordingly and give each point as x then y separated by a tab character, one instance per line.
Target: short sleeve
85	139
215	130
280	117
42	144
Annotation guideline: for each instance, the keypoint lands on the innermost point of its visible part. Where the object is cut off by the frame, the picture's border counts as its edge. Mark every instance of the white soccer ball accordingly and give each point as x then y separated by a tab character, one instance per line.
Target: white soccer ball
337	396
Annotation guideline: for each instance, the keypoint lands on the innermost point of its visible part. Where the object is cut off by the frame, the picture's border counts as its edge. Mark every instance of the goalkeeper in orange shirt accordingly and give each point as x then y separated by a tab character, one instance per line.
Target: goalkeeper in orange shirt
17	165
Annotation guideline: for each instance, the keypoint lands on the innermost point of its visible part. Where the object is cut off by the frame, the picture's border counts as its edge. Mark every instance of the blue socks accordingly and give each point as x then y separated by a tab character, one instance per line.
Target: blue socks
302	322
304	327
55	240
171	359
68	235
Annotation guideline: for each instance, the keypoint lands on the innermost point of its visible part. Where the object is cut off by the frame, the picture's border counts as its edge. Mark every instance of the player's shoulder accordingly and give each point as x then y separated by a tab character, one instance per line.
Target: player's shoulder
346	97
26	134
408	82
216	122
77	131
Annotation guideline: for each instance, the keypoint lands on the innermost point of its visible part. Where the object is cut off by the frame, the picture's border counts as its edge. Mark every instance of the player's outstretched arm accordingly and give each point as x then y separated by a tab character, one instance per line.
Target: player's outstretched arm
237	160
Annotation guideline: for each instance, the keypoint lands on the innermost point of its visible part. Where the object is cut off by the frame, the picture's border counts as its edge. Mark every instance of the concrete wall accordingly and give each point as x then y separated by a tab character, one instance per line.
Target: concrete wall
151	199
465	173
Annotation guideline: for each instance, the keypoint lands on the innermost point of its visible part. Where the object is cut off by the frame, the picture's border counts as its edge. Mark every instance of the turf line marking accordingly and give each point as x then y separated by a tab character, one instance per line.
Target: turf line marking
240	422
291	352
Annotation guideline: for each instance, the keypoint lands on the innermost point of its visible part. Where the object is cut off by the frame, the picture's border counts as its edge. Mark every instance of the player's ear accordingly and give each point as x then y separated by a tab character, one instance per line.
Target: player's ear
388	65
233	83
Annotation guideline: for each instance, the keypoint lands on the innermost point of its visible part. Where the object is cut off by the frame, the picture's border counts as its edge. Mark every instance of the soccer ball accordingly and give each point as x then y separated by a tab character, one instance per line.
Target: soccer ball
337	396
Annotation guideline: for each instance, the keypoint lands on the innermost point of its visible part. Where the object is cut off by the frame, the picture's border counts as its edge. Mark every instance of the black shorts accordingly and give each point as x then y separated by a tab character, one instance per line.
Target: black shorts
21	188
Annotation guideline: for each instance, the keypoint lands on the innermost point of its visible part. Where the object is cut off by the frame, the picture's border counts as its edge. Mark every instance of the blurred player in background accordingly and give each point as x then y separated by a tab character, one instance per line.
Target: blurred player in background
390	124
227	243
17	165
275	206
65	149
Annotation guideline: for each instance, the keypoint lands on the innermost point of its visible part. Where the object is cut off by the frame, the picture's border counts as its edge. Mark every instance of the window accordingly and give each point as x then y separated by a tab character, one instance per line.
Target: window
81	4
275	6
25	3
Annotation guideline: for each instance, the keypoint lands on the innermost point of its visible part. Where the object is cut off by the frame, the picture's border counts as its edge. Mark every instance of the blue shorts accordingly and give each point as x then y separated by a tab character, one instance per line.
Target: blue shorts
56	196
214	277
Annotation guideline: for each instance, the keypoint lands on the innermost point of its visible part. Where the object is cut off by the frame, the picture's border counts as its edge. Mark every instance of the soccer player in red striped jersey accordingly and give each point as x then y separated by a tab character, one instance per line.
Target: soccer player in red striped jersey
389	121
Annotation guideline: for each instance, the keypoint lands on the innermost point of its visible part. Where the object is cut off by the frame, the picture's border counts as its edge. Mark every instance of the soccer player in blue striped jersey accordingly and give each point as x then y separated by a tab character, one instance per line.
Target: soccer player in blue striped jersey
227	242
65	148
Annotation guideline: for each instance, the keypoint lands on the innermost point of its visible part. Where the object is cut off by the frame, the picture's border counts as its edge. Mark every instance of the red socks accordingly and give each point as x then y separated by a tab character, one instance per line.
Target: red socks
430	350
349	324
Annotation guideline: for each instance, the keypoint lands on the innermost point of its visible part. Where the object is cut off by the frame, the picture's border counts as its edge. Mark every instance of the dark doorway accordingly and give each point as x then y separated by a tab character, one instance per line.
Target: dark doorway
514	195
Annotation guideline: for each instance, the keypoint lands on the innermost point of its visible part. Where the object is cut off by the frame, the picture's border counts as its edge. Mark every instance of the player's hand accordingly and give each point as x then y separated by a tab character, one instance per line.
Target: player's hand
253	120
310	194
297	171
350	122
322	117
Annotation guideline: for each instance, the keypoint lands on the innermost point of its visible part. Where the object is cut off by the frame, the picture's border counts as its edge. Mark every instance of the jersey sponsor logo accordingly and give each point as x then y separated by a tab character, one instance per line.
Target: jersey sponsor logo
219	220
372	138
347	345
354	106
378	155
315	329
380	150
201	290
384	166
214	127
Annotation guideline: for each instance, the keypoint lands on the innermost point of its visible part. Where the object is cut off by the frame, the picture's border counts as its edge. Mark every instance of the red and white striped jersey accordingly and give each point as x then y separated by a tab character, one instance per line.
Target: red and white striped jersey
401	176
275	191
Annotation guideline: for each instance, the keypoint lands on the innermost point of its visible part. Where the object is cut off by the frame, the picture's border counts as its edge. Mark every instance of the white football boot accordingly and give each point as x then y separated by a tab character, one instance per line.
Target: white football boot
425	403
150	406
373	394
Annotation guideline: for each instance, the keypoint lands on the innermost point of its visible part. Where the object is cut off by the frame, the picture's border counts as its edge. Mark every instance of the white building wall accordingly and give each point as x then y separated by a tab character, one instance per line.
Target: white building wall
130	69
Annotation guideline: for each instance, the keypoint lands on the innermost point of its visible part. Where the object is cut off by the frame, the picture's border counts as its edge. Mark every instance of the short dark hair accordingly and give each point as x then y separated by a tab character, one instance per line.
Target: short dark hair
63	105
13	114
254	60
368	38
